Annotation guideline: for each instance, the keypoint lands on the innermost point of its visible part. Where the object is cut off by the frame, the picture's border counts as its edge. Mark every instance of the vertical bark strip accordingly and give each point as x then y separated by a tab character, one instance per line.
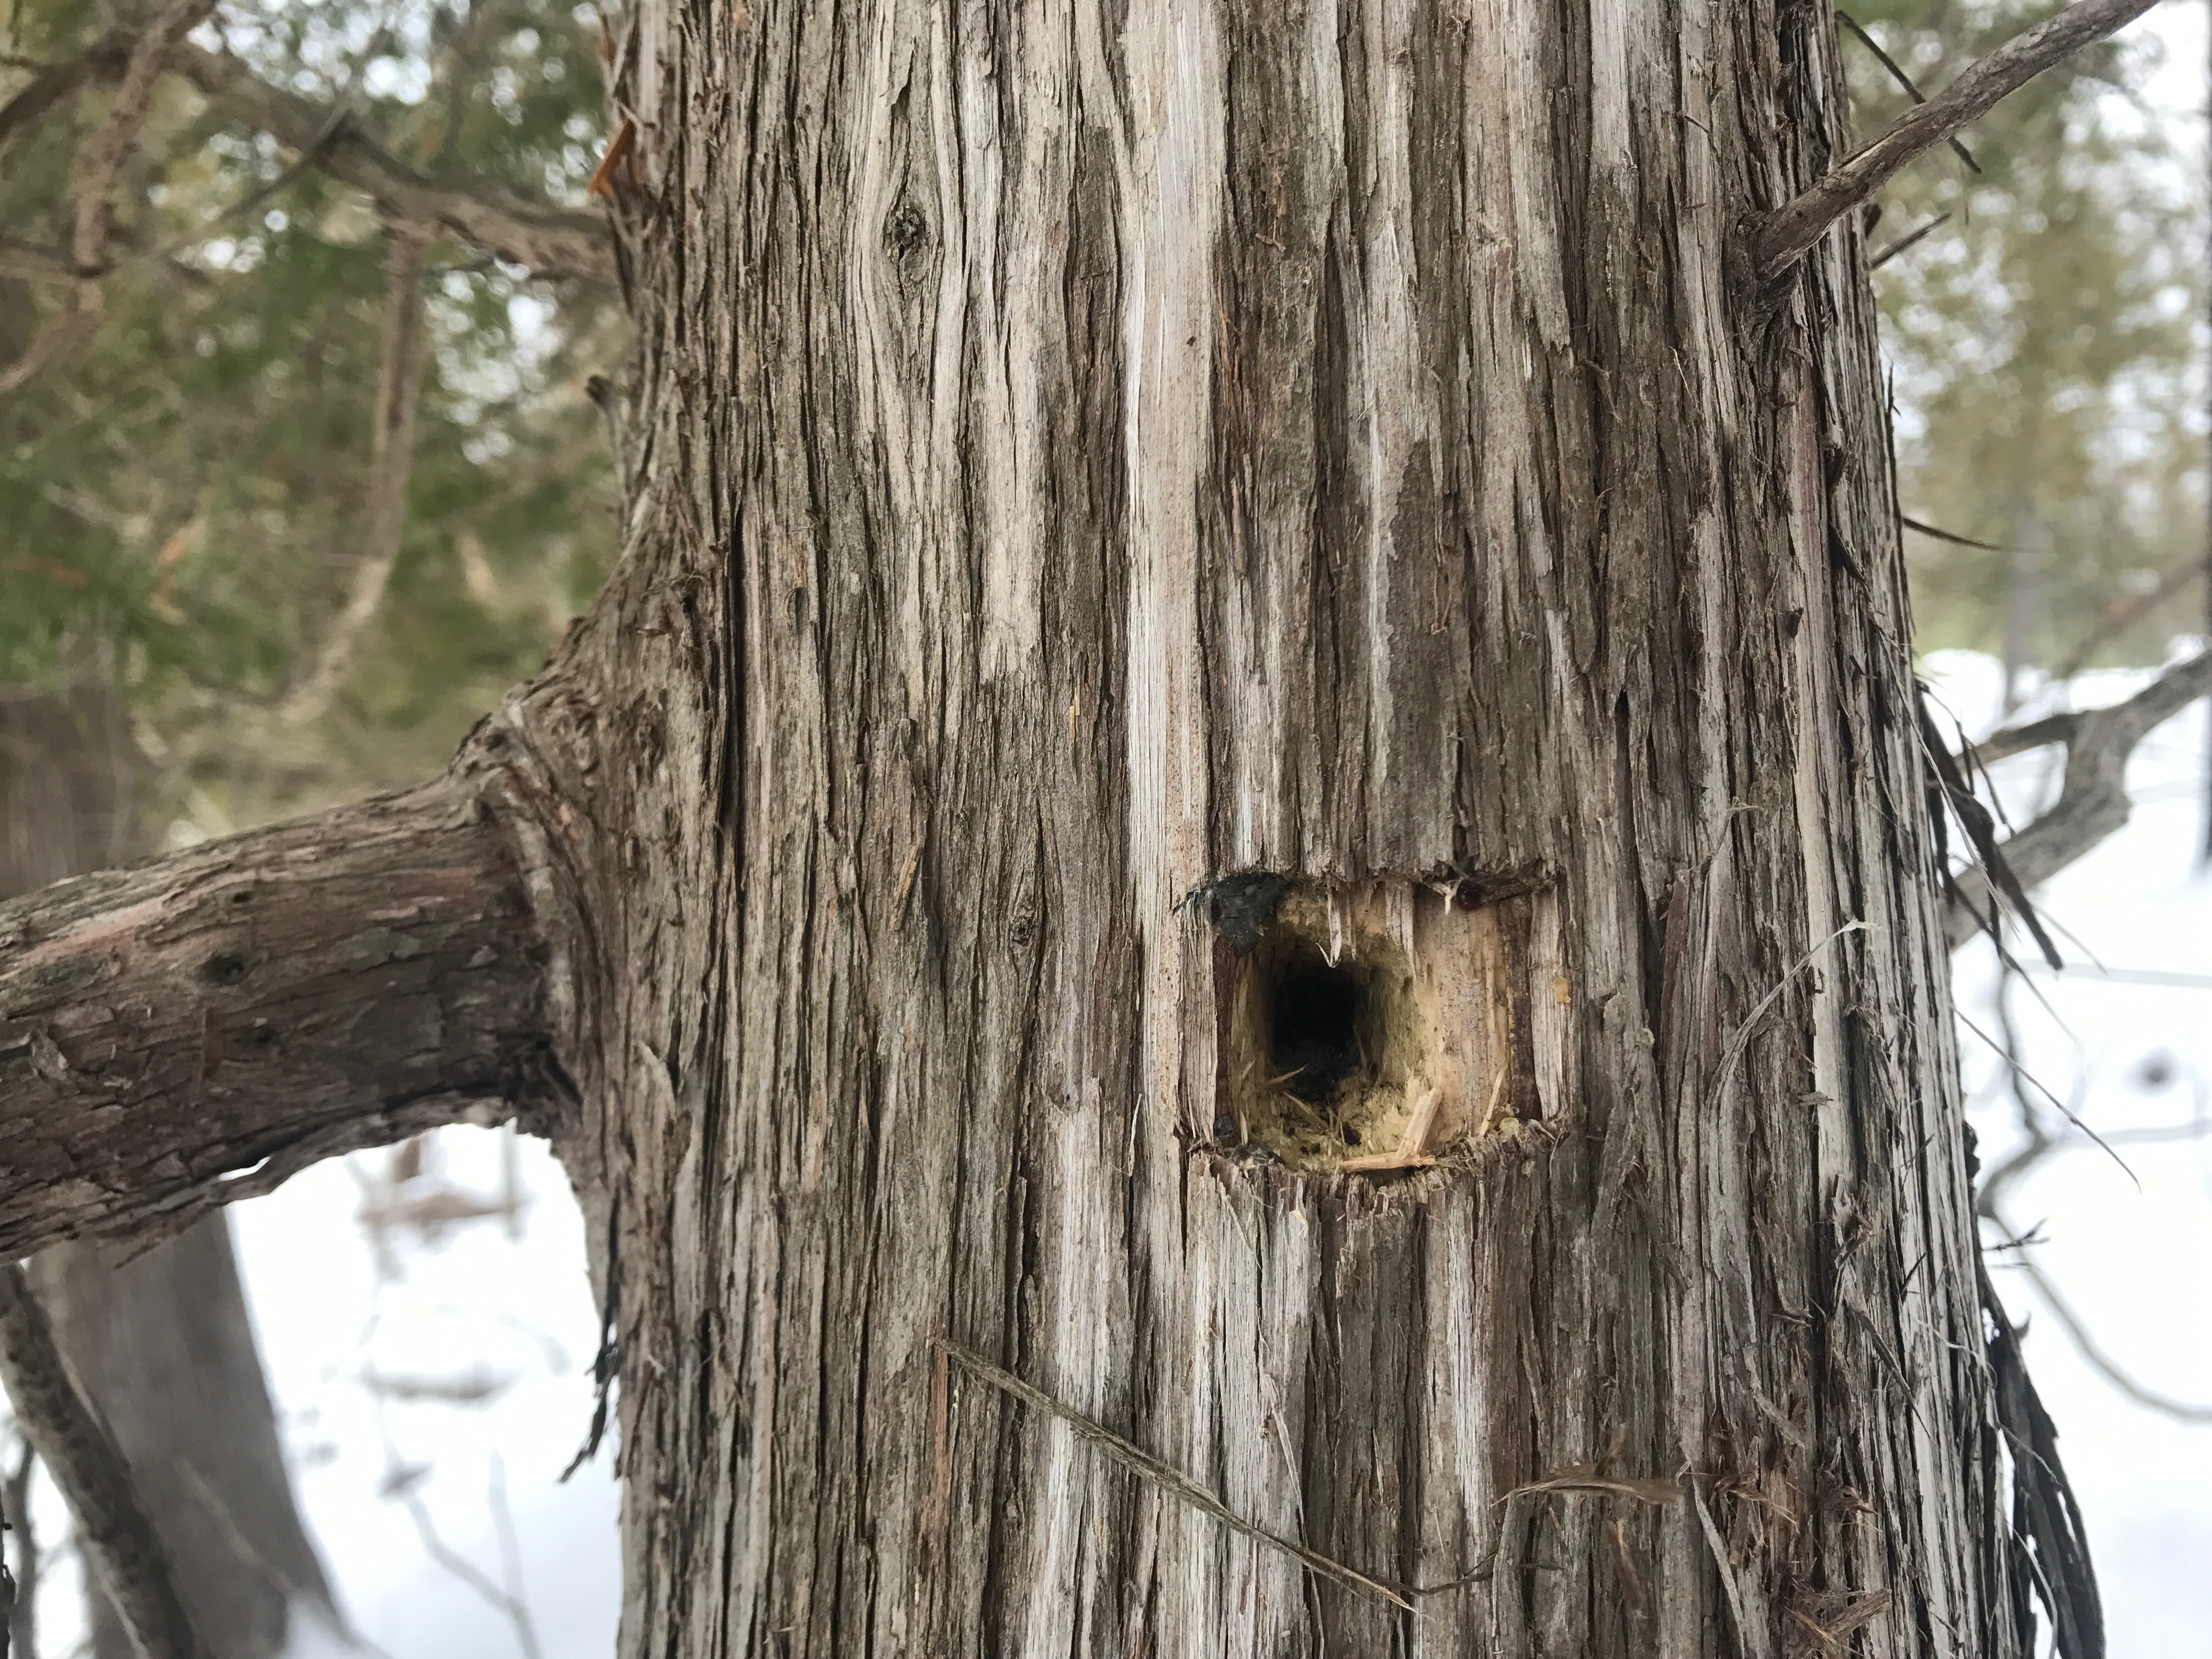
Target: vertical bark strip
1085	451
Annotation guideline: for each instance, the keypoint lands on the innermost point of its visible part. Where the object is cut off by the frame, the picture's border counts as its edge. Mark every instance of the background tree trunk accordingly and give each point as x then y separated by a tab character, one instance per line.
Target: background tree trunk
1078	452
163	1343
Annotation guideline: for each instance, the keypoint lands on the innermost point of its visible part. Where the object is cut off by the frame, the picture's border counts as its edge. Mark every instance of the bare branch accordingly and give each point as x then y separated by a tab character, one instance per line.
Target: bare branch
114	1530
2093	801
61	82
1788	233
92	185
34	262
549	241
2175	581
1897	74
391	463
2029	734
501	1601
2085	1344
197	1029
92	176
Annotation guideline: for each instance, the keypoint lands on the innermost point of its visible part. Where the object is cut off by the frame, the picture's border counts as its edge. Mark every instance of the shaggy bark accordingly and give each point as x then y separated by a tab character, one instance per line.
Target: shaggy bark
1077	456
1082	454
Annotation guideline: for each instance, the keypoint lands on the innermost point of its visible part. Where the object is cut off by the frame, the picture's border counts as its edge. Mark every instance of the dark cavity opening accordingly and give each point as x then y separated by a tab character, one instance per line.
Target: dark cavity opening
1313	1021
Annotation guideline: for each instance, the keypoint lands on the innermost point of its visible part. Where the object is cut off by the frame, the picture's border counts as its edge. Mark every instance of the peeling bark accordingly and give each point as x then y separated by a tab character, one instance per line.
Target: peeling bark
1082	453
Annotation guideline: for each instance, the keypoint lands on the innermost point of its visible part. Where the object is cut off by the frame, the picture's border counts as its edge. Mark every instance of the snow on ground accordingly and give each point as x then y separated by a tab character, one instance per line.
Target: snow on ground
2131	1249
474	1307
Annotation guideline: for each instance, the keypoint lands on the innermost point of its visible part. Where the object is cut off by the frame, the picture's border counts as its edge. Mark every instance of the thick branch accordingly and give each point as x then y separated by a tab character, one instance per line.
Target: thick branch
1791	231
112	1528
195	1031
2094	802
549	242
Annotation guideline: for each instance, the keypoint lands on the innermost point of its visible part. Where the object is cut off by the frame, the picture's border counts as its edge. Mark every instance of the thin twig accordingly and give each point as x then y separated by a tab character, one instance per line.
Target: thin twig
1897	74
1910	239
1950	535
2085	1343
460	1567
510	1547
114	1532
2093	803
2022	1074
1788	233
1146	1466
391	463
2176	581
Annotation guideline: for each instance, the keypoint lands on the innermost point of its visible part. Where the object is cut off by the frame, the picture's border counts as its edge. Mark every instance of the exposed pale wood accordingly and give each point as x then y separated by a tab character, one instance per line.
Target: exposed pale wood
1076	452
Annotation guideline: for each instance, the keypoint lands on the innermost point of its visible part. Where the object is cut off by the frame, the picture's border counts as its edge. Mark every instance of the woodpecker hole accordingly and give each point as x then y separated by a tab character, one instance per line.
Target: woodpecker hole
1363	1029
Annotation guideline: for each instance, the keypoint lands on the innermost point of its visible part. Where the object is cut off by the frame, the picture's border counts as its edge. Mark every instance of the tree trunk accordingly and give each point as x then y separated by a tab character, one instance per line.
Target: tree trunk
163	1343
1081	455
1200	581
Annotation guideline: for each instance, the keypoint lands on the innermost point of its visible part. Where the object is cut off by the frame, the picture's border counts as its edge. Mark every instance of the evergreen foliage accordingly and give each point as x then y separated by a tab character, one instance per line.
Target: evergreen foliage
181	492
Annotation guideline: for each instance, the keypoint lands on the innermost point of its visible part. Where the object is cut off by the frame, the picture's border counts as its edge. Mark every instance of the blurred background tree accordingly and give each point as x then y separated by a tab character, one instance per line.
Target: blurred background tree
189	491
2047	336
